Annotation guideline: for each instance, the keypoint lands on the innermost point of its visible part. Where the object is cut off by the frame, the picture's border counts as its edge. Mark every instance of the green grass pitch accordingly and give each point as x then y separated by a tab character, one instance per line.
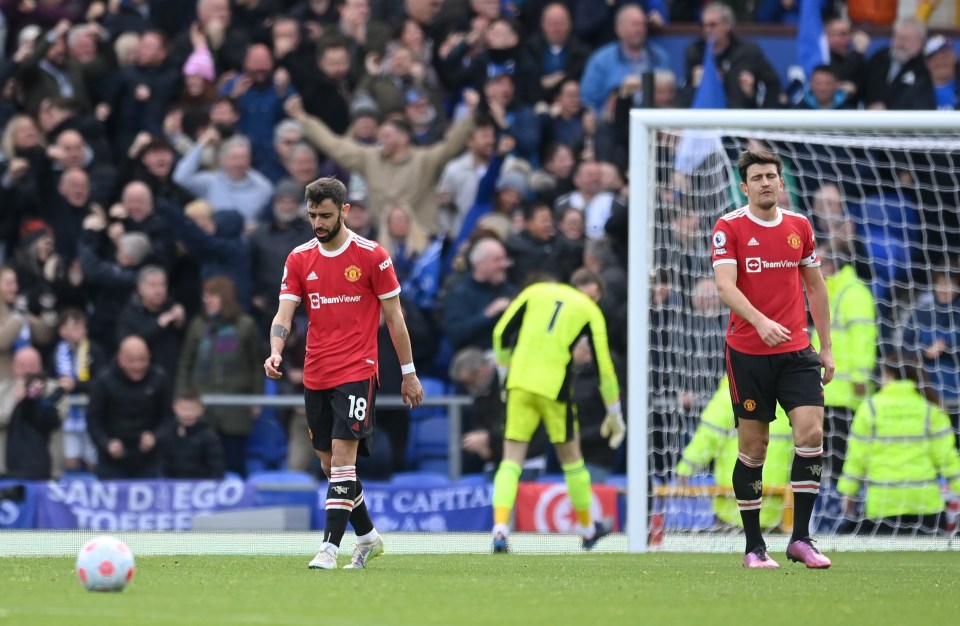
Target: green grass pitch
492	590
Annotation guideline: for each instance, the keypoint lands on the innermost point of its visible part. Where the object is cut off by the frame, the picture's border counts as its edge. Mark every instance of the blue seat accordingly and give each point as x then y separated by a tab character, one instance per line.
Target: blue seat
267	445
428	440
435	465
432	388
419	479
473	479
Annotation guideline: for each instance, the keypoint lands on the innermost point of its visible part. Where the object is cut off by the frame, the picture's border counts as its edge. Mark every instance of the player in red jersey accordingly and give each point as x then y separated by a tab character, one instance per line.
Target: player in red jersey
345	281
763	257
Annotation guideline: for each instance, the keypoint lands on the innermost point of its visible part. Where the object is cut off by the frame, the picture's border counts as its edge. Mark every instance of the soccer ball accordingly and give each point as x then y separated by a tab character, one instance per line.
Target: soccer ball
105	564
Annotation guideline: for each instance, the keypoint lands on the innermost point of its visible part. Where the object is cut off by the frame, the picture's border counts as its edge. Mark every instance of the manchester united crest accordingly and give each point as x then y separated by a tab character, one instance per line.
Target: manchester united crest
352	273
749	404
794	241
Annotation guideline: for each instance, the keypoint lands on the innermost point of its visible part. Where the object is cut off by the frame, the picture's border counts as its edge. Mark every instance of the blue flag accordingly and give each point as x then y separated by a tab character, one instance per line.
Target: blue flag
710	93
811	40
423	283
696	146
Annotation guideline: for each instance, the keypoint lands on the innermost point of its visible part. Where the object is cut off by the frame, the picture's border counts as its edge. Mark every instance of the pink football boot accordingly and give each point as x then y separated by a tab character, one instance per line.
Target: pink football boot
803	551
758	559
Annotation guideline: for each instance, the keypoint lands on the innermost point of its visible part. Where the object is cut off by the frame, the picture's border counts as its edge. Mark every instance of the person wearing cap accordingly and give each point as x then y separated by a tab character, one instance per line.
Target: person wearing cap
390	88
941	60
500	53
426	120
227	41
150	160
42	276
199	77
364	120
270	243
513	117
512	190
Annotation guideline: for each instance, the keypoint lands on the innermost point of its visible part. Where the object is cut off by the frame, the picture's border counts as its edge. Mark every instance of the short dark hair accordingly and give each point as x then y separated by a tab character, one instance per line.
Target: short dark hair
530	209
539	276
190	393
401	125
325	188
225	100
69	105
584	276
757	157
71	314
331	41
826	69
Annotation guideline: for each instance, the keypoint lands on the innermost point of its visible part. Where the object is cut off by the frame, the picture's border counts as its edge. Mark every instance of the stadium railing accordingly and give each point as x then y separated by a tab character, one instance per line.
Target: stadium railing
454	405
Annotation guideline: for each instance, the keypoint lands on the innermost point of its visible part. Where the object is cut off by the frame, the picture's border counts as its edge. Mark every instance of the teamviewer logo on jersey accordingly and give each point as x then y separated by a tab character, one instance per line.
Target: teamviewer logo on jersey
753	265
314	300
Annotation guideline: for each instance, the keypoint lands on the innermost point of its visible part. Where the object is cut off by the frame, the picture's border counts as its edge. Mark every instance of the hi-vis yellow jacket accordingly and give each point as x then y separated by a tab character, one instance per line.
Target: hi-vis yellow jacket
853	331
900	445
716	440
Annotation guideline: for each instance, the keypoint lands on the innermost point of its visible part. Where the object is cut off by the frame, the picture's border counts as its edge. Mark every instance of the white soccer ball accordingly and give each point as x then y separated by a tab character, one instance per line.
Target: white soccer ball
105	564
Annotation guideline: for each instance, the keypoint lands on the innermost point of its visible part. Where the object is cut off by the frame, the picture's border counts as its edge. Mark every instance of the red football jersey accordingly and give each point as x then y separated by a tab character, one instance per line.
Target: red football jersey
342	292
768	256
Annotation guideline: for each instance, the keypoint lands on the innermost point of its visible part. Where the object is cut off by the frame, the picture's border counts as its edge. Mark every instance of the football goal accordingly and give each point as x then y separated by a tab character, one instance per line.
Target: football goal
882	191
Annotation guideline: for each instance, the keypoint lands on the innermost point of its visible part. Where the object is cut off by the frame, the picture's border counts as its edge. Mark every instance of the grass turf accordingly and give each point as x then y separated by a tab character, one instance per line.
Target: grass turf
462	590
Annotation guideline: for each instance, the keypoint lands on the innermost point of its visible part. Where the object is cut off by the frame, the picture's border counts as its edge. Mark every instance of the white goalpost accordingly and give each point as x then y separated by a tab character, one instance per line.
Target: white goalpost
893	182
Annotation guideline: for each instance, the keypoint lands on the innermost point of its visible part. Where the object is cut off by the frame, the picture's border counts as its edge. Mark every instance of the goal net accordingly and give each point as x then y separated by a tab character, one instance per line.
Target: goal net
882	191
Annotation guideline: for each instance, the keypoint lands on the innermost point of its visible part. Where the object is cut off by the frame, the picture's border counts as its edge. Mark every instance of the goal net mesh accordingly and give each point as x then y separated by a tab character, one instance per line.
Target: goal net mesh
884	208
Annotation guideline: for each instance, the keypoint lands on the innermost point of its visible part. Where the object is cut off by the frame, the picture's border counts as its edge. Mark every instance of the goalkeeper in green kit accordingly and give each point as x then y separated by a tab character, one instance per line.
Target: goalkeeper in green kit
533	342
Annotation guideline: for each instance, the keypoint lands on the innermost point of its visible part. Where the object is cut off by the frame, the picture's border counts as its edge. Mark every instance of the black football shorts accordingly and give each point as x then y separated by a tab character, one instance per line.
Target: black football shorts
759	381
344	412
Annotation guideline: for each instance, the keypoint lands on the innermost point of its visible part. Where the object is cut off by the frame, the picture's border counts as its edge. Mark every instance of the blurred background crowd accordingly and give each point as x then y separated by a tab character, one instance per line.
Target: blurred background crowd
154	155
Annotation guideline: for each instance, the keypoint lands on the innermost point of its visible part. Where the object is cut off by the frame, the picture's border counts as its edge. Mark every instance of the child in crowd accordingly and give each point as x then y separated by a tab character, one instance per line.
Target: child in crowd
195	451
75	361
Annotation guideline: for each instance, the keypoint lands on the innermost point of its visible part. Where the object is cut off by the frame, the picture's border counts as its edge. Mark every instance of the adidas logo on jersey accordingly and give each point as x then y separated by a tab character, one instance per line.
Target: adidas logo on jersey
312	276
753	242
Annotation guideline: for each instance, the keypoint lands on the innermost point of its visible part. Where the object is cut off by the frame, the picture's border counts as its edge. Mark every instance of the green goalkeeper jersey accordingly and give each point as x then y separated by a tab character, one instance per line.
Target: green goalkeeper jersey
536	335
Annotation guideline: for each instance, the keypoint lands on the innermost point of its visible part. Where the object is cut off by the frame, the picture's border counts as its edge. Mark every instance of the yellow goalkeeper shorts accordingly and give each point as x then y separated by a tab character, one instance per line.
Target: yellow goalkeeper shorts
525	409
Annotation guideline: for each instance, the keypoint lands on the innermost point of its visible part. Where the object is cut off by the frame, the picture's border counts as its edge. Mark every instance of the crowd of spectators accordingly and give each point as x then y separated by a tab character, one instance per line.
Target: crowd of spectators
154	155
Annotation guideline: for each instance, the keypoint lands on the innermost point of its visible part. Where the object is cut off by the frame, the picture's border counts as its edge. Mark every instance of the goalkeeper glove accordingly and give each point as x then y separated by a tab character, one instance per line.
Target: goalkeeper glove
613	427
